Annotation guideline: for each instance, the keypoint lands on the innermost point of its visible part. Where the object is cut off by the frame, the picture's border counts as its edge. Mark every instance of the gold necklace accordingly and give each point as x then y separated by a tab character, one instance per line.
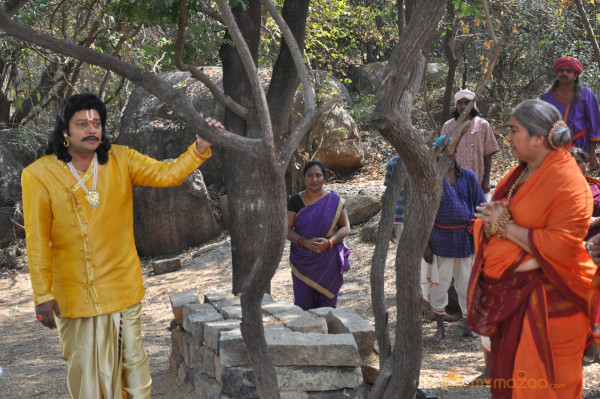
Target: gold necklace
308	201
91	196
514	186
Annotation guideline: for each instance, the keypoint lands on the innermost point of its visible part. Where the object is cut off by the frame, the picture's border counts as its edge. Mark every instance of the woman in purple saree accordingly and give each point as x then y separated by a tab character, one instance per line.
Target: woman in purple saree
317	225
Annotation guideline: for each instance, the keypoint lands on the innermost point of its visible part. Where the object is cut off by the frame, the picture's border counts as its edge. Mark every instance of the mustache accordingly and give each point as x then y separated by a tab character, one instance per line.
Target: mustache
90	138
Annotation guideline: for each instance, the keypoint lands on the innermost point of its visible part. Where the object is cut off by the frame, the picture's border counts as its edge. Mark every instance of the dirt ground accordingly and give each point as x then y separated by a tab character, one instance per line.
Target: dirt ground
30	360
32	366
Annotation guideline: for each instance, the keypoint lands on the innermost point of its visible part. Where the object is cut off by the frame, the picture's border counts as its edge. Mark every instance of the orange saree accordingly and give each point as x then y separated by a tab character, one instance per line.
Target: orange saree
536	320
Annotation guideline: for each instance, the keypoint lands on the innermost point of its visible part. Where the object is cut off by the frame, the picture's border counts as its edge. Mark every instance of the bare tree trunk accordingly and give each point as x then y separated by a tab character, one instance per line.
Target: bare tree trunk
401	16
388	202
451	58
285	79
425	194
590	32
5	105
246	211
270	249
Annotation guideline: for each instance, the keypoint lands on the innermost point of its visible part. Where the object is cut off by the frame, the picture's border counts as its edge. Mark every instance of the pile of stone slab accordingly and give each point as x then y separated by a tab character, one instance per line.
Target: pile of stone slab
323	353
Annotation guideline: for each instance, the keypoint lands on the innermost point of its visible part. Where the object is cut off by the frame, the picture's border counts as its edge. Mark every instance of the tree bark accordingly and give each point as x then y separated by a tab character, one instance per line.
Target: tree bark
424	195
257	185
451	58
590	31
239	171
284	79
253	166
377	276
270	249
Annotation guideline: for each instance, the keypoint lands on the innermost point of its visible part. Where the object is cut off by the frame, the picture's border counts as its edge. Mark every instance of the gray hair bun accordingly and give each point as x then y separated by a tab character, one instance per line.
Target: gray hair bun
561	135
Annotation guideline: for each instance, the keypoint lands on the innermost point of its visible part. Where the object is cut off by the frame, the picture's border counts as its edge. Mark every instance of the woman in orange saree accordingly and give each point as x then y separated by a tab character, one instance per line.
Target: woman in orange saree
531	279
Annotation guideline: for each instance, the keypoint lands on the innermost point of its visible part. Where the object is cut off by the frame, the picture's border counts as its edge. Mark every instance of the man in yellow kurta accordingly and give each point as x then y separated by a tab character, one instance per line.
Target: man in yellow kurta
83	263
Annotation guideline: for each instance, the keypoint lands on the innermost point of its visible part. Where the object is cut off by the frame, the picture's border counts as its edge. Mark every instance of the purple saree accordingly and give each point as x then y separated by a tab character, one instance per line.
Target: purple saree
322	272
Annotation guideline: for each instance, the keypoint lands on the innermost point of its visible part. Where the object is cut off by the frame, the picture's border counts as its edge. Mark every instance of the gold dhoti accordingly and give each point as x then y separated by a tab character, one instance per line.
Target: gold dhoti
105	356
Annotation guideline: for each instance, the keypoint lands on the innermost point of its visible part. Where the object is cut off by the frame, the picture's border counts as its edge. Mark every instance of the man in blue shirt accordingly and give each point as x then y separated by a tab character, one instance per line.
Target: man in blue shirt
450	249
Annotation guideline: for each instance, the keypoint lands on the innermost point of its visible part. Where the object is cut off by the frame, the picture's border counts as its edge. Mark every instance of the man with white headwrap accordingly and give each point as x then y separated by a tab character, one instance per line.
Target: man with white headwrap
478	144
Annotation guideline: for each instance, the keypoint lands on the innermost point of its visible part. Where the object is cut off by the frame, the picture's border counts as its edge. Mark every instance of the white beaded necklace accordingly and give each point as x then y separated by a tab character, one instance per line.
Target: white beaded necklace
92	196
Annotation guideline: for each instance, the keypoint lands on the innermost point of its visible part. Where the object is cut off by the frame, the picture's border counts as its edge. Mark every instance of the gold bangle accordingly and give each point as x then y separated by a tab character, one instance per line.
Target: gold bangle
501	224
502	233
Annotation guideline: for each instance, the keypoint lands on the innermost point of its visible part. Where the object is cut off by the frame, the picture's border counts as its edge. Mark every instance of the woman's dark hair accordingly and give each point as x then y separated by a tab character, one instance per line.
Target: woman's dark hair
76	103
576	151
313	163
474	113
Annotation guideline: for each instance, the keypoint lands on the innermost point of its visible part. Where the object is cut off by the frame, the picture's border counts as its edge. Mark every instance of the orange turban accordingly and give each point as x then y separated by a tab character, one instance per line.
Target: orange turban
569	62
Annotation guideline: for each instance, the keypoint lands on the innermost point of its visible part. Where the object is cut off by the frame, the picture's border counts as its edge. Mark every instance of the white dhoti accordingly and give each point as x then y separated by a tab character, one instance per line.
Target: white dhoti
436	279
105	356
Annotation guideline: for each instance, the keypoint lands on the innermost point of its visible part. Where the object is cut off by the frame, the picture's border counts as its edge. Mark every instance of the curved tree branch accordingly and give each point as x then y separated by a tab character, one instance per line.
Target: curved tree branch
590	32
480	87
171	96
203	8
307	88
197	73
308	120
250	67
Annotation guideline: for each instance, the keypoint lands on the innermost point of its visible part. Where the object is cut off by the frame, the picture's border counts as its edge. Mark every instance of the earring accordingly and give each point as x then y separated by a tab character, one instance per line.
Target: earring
66	142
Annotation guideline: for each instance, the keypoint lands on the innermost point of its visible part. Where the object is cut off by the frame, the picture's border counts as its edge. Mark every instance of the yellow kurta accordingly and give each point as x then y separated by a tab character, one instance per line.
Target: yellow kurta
86	258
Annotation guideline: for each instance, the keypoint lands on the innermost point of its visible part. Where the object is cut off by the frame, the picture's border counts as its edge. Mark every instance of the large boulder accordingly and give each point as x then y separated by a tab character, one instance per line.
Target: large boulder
361	208
149	127
366	79
336	142
169	220
334	139
10	184
329	86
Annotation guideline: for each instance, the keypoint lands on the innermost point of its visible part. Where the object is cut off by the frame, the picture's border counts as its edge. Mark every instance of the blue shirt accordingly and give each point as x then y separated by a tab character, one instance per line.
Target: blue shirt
457	208
399	215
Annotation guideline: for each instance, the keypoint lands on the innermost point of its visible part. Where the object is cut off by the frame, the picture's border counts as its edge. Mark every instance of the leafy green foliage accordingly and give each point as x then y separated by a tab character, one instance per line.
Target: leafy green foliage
343	33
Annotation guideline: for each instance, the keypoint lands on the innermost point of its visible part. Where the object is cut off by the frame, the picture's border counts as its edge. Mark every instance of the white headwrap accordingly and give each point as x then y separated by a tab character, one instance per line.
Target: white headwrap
468	94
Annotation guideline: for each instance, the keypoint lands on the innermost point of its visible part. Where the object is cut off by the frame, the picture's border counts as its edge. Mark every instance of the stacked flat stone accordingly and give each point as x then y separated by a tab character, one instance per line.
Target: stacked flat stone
324	353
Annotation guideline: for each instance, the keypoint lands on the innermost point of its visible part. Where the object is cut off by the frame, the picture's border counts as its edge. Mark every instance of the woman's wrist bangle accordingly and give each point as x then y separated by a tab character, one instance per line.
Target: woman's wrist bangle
300	241
330	244
500	228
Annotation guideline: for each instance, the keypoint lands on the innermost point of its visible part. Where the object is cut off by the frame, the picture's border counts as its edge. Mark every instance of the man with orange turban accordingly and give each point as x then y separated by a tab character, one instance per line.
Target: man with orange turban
578	105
